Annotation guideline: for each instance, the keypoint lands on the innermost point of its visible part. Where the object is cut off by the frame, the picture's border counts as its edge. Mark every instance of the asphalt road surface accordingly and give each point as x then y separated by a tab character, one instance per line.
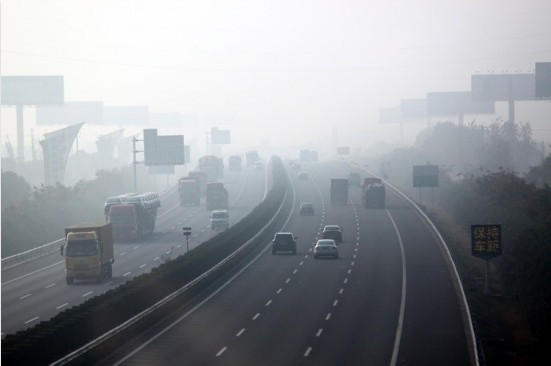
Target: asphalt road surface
388	299
36	290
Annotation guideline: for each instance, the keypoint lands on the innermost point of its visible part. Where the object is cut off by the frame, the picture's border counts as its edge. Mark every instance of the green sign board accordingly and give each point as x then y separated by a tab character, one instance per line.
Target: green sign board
425	176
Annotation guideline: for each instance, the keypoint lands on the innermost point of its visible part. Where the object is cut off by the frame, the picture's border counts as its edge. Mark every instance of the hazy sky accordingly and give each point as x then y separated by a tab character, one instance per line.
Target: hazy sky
286	70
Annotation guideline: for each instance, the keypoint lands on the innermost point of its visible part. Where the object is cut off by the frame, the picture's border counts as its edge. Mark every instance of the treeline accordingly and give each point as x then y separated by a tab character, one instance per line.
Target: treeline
492	174
32	216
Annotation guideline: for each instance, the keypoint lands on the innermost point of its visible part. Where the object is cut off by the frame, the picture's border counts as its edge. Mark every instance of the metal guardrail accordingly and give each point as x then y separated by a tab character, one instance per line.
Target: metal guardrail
135	319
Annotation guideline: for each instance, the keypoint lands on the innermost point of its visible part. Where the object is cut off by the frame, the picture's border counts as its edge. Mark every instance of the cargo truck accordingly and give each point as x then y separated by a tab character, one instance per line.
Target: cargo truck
339	191
212	166
135	217
251	157
202	178
373	193
234	163
189	191
217	197
88	252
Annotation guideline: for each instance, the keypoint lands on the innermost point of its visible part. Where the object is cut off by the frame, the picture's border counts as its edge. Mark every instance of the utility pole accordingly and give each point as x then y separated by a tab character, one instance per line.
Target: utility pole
134	162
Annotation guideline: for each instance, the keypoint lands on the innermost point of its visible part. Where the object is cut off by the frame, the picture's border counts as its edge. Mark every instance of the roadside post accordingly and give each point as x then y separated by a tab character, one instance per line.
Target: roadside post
187	233
486	244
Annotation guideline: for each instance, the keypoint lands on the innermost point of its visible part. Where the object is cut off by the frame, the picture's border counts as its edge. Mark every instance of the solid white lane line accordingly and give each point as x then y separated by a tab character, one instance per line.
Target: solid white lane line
398	338
268	303
51	285
240	332
31	273
126	274
123	253
24	296
279	291
61	306
143	265
221	351
156	259
328	316
32	320
88	293
256	316
308	350
335	303
319	332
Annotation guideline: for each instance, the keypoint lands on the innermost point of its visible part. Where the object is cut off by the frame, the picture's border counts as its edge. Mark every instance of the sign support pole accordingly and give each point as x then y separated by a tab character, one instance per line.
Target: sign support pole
20	133
134	139
487	279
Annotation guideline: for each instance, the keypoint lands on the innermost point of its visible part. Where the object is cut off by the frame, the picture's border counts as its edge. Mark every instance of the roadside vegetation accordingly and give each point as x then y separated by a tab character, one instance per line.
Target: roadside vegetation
491	174
32	216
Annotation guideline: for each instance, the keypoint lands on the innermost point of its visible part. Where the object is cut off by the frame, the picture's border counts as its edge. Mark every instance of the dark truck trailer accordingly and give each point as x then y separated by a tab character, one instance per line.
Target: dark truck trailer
339	191
373	193
217	197
234	163
189	191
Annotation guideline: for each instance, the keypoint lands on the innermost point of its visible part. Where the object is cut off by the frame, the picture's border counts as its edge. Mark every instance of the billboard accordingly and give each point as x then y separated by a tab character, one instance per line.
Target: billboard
390	115
56	147
163	150
456	103
138	115
70	113
543	80
425	175
413	108
32	90
220	137
503	87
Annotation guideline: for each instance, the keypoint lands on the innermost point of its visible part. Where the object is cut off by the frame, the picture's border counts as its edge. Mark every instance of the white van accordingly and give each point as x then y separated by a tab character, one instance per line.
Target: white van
219	220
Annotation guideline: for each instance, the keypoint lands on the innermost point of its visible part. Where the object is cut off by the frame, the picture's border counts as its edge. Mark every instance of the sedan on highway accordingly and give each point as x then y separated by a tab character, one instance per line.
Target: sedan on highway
306	209
326	248
332	232
284	241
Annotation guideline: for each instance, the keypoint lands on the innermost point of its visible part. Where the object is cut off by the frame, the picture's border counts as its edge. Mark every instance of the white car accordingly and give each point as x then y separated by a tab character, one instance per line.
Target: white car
219	220
326	248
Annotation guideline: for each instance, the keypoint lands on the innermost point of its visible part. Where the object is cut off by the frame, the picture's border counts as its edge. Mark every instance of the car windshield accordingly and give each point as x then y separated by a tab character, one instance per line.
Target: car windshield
219	215
331	228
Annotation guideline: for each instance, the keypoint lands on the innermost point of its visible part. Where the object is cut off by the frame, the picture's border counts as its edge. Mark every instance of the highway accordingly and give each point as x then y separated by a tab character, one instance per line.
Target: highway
389	299
36	290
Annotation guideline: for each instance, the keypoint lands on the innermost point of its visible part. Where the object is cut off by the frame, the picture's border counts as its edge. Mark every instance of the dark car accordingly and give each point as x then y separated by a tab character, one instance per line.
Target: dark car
332	232
306	209
284	242
303	176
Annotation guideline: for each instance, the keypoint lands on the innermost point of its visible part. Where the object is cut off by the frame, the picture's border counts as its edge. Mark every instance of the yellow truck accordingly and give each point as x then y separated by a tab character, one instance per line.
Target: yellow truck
88	251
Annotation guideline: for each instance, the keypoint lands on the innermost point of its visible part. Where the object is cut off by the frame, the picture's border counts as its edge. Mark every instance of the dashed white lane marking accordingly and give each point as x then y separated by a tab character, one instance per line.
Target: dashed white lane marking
143	265
301	263
341	291
345	280
349	271
354	256
32	320
136	247
221	351
328	316
123	253
319	332
308	350
88	293
156	259
335	303
256	316
25	296
268	303
51	285
295	271
240	332
355	249
62	306
352	263
306	256
108	283
178	246
126	274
